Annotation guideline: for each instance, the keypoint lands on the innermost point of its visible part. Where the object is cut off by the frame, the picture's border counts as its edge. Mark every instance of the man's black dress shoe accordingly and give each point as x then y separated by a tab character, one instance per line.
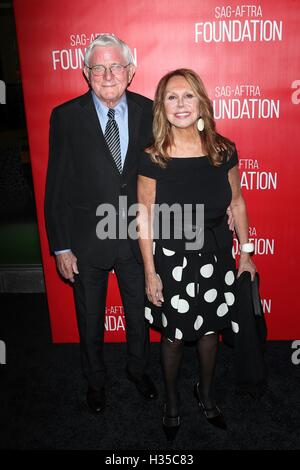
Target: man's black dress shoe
144	385
95	400
217	419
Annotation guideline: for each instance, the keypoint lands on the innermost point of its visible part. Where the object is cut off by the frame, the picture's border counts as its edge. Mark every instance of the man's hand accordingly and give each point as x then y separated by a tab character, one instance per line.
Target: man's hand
67	265
230	219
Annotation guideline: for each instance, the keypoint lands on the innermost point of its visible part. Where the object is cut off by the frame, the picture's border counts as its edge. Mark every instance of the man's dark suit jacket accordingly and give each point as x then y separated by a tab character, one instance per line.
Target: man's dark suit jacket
82	175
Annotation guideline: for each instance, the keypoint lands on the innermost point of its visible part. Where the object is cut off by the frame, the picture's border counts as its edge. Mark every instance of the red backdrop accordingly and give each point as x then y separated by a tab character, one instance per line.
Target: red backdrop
248	57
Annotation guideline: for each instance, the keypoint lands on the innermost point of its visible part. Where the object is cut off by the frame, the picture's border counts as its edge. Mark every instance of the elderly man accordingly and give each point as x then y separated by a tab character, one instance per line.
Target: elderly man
95	142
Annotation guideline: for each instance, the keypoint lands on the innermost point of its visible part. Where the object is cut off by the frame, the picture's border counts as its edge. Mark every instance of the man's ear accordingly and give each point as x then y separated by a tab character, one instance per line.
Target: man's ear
131	72
86	73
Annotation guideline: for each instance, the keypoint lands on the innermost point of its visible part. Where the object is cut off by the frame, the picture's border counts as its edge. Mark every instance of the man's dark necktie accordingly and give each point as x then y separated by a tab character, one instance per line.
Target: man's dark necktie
112	138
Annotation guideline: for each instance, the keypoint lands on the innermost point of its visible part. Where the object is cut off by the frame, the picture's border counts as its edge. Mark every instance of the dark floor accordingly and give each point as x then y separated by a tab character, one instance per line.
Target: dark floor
43	407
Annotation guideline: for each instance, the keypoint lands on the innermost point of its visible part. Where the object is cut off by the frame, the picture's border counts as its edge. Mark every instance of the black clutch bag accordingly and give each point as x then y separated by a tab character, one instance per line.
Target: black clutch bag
257	308
249	341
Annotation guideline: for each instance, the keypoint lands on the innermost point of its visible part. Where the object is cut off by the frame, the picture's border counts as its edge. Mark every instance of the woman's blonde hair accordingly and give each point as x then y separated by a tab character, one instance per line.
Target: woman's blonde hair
215	146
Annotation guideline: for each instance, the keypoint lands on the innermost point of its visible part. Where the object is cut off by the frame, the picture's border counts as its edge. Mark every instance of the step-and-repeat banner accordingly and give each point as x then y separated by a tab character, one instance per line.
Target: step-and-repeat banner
248	56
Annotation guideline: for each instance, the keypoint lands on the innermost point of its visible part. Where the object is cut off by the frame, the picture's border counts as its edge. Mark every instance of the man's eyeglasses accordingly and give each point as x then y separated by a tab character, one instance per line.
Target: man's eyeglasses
115	69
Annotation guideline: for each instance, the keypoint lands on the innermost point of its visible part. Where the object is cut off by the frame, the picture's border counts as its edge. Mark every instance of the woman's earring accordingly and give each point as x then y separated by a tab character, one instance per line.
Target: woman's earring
200	124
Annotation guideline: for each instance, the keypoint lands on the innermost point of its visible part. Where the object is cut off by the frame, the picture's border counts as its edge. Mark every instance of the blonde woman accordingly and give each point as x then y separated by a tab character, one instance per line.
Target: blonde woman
190	288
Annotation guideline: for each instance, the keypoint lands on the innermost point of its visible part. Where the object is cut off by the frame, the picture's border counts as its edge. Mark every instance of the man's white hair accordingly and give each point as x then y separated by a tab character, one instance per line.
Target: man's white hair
108	39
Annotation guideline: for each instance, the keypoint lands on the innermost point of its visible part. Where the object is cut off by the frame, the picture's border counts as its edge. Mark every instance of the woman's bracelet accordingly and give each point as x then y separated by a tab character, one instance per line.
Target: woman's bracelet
247	247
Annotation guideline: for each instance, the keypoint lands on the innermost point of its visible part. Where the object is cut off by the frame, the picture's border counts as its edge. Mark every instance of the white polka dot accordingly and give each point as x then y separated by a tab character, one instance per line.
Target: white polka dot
216	259
222	310
209	333
210	295
174	301
235	327
184	262
168	252
177	273
207	270
164	320
198	323
148	314
229	278
229	297
190	289
183	306
178	334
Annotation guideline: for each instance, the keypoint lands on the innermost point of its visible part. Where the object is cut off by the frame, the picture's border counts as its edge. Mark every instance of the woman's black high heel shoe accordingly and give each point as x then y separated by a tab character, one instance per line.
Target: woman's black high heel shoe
218	420
171	425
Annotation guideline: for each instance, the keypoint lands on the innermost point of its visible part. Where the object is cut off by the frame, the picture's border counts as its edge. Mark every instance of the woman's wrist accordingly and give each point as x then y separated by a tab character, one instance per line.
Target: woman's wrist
150	273
244	255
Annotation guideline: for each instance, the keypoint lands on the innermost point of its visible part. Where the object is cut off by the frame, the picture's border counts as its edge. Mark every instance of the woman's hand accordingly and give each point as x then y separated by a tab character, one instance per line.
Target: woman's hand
246	264
230	219
154	289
